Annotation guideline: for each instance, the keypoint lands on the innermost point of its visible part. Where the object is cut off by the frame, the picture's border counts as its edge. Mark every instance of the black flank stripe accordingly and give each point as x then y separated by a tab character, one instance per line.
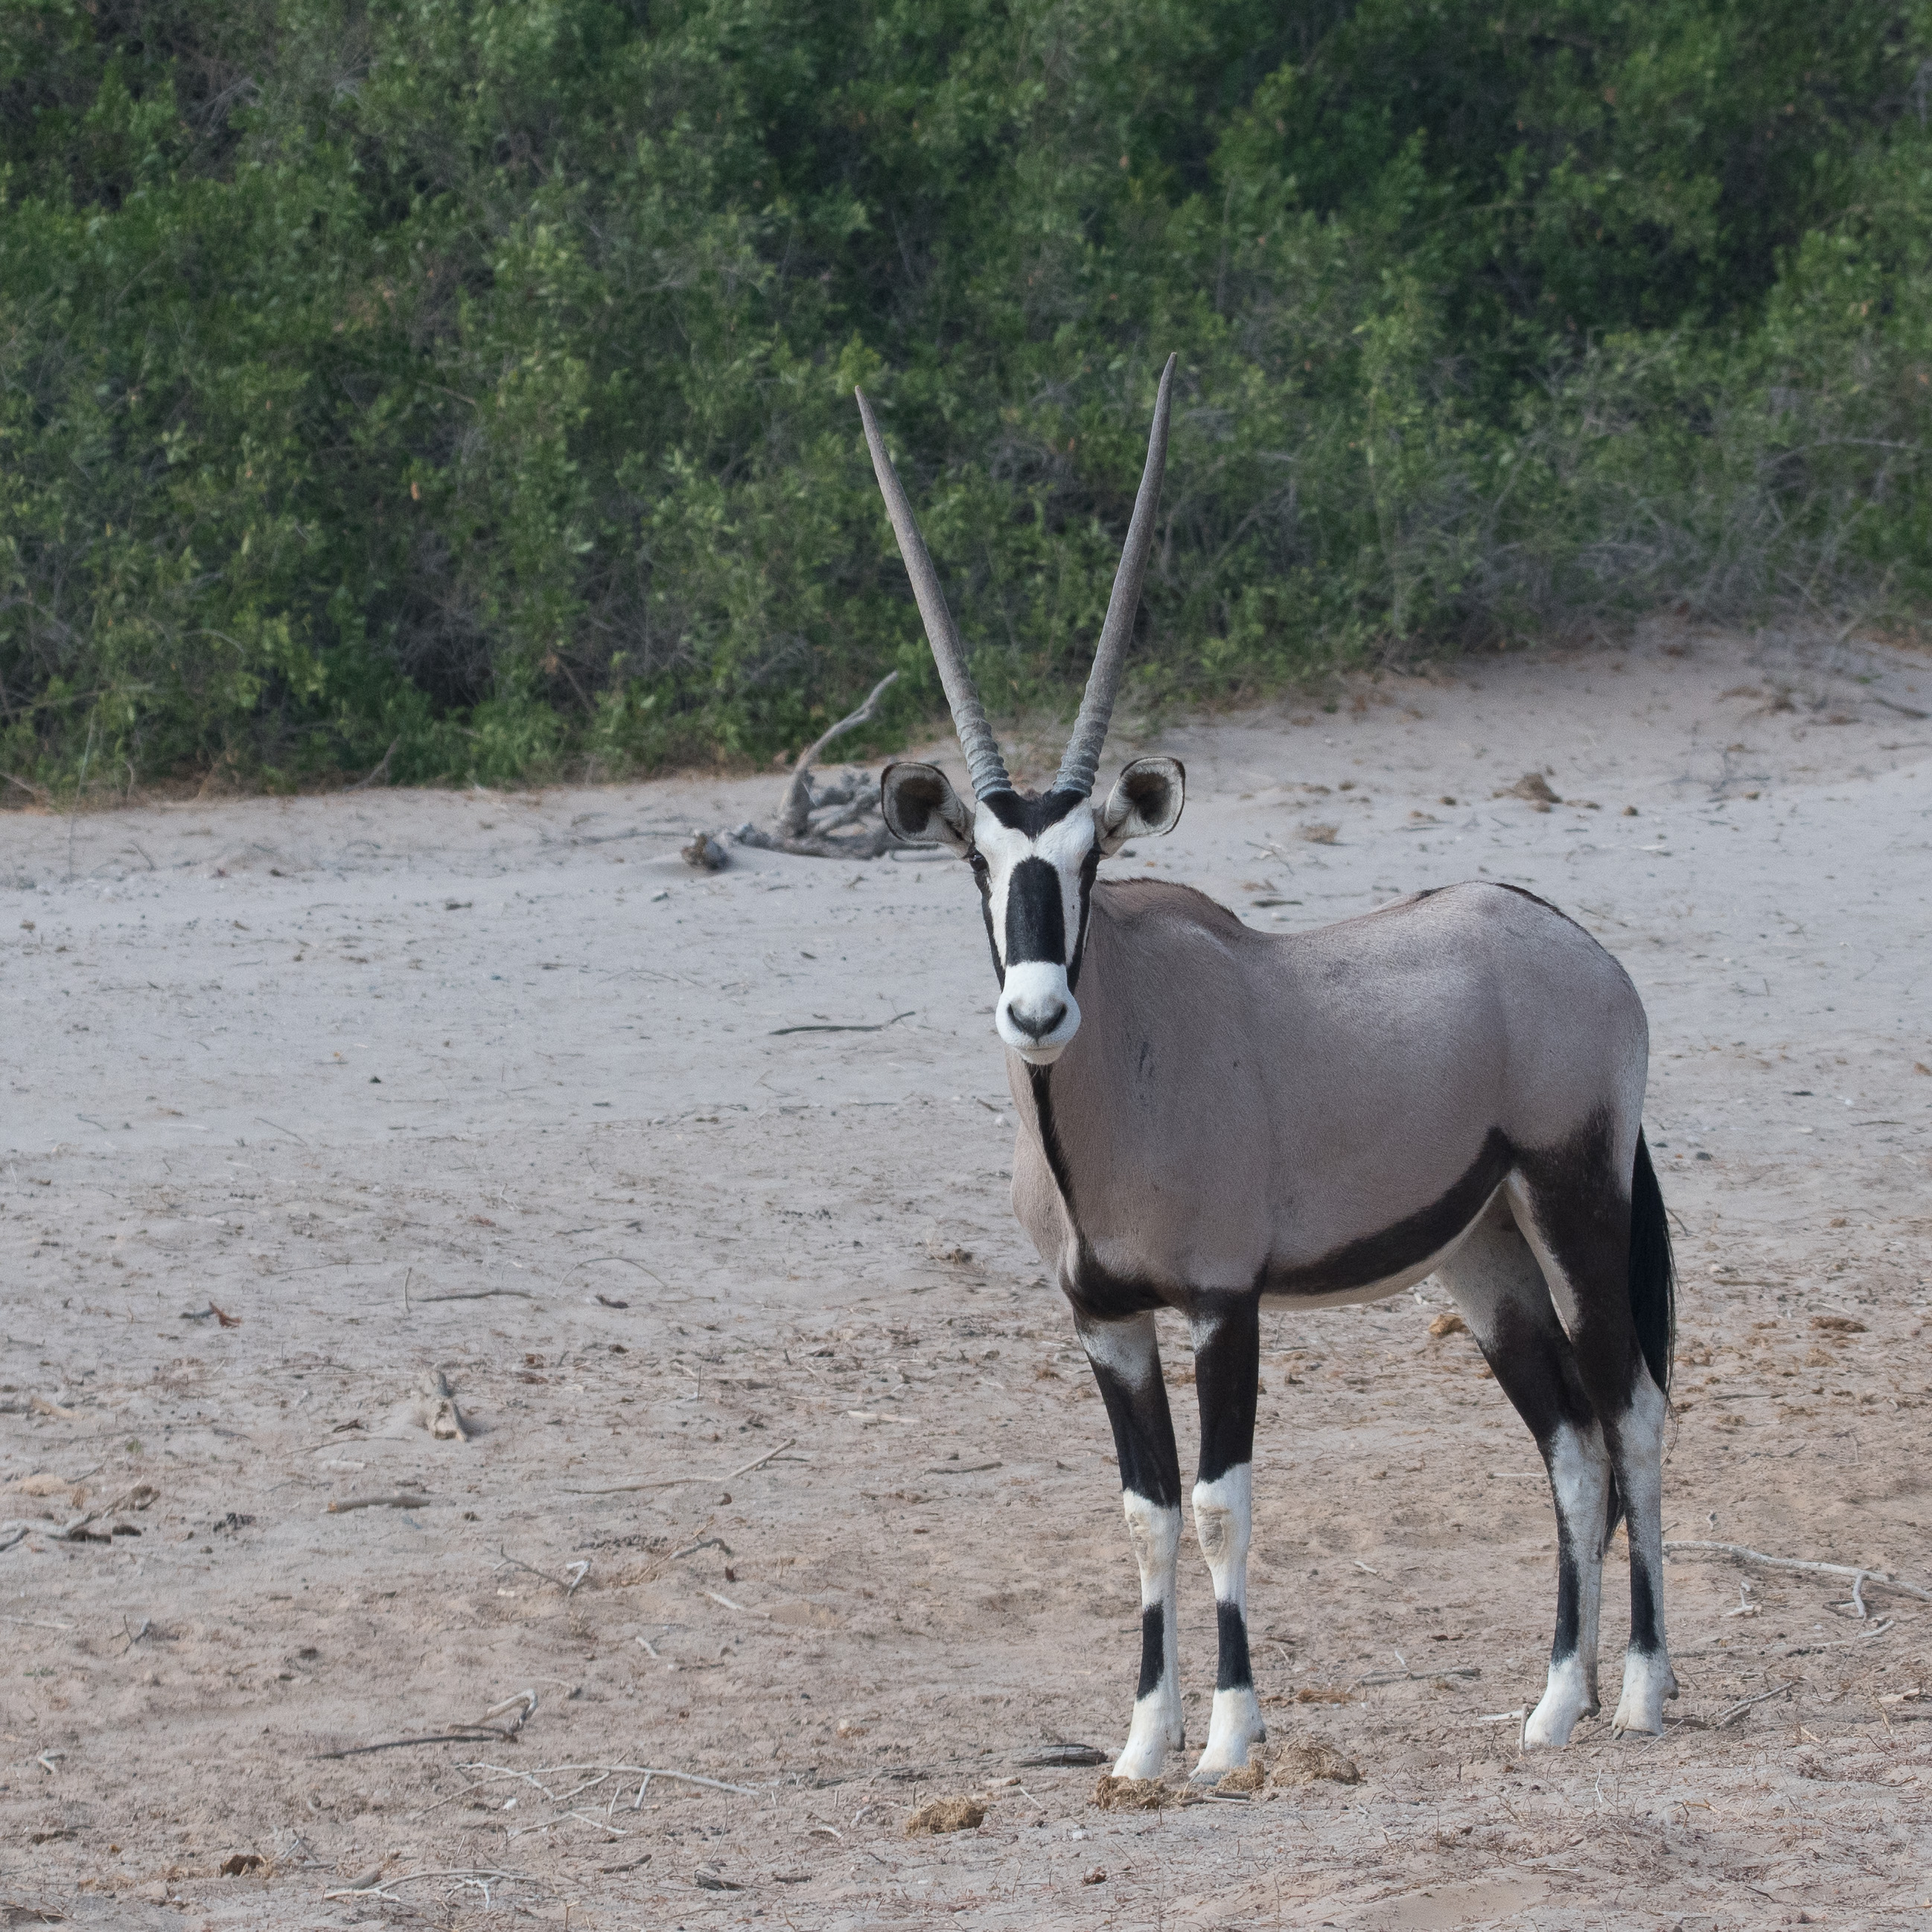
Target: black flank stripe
1376	1257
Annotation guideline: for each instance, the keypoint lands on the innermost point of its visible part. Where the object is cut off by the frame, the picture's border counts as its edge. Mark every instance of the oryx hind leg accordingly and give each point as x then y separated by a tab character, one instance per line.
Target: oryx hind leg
1126	1360
1499	1286
1227	1370
1586	1209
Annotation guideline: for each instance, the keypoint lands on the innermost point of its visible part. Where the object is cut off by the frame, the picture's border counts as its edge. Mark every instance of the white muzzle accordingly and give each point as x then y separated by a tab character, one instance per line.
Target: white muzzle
1037	1014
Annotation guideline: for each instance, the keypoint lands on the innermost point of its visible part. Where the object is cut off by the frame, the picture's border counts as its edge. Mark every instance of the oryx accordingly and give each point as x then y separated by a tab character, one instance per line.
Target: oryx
1452	1084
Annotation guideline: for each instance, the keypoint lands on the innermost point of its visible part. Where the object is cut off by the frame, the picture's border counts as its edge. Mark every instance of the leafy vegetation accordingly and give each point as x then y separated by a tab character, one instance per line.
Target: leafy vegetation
470	380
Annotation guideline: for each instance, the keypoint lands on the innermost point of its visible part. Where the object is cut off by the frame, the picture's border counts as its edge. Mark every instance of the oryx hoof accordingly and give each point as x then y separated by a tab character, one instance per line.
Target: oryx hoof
1157	1728
1235	1725
1566	1698
1649	1681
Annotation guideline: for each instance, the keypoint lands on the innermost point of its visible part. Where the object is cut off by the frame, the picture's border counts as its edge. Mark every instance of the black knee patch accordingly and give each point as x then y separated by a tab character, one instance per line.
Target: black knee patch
1153	1651
1646	1608
1233	1673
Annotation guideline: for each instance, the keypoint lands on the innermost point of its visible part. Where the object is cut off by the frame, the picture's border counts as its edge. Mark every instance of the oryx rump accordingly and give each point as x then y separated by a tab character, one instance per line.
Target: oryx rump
1212	1118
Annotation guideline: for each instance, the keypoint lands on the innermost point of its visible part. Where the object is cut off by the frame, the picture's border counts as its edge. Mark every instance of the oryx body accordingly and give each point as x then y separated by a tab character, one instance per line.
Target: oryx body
1214	1118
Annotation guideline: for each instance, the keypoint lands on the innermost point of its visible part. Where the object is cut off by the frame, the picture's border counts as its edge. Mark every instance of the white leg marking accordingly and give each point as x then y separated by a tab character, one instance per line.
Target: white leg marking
1157	1727
1648	1679
1224	1523
1579	1473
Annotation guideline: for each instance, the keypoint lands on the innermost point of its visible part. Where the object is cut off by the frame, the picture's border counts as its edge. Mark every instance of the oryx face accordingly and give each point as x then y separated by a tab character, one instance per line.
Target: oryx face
1035	859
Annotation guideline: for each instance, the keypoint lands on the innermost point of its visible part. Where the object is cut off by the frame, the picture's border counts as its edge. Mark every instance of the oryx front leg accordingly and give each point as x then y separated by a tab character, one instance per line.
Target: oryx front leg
1126	1360
1227	1367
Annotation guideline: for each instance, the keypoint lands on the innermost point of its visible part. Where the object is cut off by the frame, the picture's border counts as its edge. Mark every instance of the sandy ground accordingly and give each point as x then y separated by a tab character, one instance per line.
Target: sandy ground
493	1085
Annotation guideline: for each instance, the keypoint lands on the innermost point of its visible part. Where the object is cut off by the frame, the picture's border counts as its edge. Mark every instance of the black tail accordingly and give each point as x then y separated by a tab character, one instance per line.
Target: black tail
1653	1273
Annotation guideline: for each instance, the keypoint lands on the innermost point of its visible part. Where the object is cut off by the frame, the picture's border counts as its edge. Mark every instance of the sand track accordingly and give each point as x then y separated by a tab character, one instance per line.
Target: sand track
296	1060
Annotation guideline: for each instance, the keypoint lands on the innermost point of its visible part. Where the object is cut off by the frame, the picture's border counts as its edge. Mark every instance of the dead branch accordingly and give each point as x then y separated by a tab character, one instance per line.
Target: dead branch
579	1570
810	815
80	1530
703	1542
381	772
475	1294
1743	1704
1863	1576
472	1875
878	1026
625	1770
759	1461
475	1734
345	1504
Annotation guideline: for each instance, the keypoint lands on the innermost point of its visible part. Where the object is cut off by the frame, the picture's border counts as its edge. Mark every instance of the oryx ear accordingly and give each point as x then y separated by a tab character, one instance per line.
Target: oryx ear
1145	802
921	807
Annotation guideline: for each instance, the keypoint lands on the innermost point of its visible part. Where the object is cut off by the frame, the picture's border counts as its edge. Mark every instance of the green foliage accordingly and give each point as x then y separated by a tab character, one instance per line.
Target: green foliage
470	380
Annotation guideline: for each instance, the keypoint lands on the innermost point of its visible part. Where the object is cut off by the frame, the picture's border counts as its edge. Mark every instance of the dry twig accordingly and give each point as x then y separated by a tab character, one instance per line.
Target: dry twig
1862	1576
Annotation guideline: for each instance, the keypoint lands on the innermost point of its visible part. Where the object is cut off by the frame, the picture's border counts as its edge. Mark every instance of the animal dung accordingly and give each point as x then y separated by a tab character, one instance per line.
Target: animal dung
1320	834
1132	1794
1838	1325
940	1815
1316	1761
1448	1323
1249	1776
1535	787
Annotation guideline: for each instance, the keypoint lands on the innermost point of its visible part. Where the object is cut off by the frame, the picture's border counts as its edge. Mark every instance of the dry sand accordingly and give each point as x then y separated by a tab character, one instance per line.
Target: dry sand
318	1063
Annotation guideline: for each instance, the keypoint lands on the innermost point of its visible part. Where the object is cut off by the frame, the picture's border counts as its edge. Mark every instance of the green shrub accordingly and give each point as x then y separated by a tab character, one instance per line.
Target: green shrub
470	383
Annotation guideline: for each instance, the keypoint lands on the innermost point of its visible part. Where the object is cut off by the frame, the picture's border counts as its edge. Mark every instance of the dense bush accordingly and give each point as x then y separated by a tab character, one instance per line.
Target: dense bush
475	380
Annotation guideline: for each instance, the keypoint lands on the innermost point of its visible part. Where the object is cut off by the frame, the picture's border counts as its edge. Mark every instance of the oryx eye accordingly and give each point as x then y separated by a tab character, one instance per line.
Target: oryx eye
978	864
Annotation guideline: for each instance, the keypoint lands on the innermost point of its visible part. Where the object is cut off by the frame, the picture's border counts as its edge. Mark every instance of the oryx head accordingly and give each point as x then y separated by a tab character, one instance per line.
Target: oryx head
1034	855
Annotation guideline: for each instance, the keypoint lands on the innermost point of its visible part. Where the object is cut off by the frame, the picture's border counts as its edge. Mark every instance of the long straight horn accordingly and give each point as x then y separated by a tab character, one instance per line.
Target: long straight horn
984	765
1082	757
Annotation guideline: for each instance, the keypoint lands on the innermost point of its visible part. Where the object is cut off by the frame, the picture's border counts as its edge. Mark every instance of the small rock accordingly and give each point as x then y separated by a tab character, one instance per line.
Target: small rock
705	854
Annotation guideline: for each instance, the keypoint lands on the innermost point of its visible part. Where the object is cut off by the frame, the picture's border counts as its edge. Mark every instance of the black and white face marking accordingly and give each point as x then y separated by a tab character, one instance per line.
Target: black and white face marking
1035	859
1036	876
